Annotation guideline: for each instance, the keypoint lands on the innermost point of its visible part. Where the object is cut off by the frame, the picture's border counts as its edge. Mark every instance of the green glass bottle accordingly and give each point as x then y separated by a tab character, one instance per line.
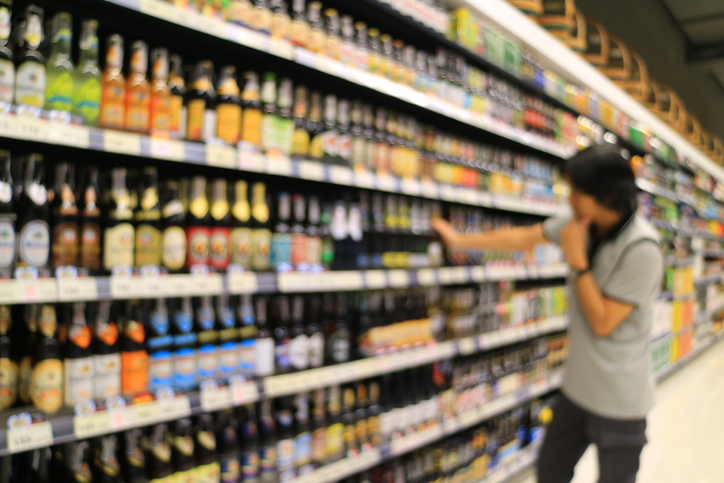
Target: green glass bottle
59	68
87	76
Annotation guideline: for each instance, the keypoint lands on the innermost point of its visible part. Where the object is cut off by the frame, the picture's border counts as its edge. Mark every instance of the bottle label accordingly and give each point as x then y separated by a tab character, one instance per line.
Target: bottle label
78	380
319	445
269	139
219	253
148	246
160	114
7	81
249	465
358	150
316	350
160	370
87	100
138	111
198	241
195	119
300	142
173	251
261	19
316	147
327	251
30	84
299	34
268	459
229	470
207	361
240	12
280	25
264	357
247	354
8	382
373	429
107	375
208	473
344	147
188	476
59	93
251	127
329	143
134	372
34	244
313	255
46	385
184	369
299	250
285	455
228	359
340	346
261	258
281	354
25	374
7	244
118	246
302	449
228	123
335	439
317	39
241	246
90	246
281	247
299	352
113	106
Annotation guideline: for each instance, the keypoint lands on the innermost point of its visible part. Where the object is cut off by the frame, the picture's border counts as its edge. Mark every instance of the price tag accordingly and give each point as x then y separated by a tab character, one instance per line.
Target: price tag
69	135
215	398
251	161
10	291
144	414
167	149
222	156
36	435
444	276
429	189
178	285
211	284
295	282
276	386
311	170
32	129
447	192
243	392
410	187
244	282
281	49
469	196
121	142
279	165
71	290
375	279
364	179
459	275
8	127
348	280
174	408
485	199
468	418
123	287
364	368
398	278
477	274
493	339
340	175
39	290
426	277
91	425
467	345
385	182
520	272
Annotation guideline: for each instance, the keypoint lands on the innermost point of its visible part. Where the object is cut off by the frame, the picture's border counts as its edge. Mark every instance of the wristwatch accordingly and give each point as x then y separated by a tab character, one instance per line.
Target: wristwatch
578	273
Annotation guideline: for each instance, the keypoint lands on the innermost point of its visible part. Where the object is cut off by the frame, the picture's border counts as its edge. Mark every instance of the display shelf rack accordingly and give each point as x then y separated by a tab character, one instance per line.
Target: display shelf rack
674	261
706	315
707	279
176	285
64	426
666	225
669	369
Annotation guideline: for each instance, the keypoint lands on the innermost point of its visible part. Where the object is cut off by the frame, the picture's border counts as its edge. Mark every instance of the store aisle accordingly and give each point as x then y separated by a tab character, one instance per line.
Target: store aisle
685	429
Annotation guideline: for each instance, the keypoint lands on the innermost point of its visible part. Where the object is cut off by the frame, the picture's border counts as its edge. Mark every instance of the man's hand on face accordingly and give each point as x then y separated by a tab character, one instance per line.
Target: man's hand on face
574	242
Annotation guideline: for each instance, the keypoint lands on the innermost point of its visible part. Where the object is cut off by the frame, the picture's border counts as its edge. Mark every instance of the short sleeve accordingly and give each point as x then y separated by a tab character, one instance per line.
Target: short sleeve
636	278
552	227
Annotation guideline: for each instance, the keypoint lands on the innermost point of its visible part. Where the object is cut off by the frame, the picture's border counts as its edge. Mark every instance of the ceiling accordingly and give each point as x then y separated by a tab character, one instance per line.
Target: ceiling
682	43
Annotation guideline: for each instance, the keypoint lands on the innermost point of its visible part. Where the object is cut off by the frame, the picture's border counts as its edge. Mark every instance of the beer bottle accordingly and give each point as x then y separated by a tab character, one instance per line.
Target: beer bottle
158	462
300	143
59	68
182	452
8	216
27	335
332	29
360	37
349	421
374	51
106	355
319	429
247	335
267	444
344	136
173	240
285	444
313	239
228	338
159	344
79	461
177	109
119	234
269	139
264	344
8	360
251	114
34	241
201	114
315	126
373	414
207	357
249	444
381	150
299	344
314	332
240	12
284	129
46	380
220	240
78	358
30	62
299	30
7	84
113	86
317	36
338	334
90	229
160	122
148	221
282	339
134	358
347	48
298	234
184	344
368	135
281	242
207	469
133	459
138	92
386	55
65	218
335	431
280	20
261	17
228	107
106	468
303	436
357	139
198	231
330	134
87	76
241	231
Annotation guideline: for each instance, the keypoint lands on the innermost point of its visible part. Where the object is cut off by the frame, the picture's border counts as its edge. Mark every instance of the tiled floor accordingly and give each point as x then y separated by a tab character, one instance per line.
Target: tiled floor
686	429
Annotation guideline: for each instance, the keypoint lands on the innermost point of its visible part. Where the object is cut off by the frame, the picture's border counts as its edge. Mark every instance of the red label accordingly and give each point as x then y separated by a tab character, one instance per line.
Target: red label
299	249
198	241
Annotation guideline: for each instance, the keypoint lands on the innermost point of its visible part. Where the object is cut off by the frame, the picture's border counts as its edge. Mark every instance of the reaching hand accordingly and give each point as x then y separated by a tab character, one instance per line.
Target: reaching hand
574	241
449	236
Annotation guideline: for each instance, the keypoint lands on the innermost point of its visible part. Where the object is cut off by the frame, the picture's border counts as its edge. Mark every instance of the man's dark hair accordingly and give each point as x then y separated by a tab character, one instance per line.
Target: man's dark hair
604	173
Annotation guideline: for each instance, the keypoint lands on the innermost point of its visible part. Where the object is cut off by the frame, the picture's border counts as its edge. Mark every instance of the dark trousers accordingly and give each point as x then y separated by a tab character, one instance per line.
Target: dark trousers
573	429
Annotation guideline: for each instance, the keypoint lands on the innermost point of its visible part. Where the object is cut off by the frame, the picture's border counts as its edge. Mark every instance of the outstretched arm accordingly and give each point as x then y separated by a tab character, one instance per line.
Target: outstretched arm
512	239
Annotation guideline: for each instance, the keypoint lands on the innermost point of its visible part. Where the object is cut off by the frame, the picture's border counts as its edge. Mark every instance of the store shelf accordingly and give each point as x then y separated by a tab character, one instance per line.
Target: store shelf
164	286
674	261
350	466
65	426
525	459
667	370
669	335
665	225
649	187
249	38
706	315
707	279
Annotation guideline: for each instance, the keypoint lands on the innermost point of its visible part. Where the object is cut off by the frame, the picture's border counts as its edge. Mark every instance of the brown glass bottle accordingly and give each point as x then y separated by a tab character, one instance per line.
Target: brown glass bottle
148	221
8	360
90	223
64	248
198	229
46	381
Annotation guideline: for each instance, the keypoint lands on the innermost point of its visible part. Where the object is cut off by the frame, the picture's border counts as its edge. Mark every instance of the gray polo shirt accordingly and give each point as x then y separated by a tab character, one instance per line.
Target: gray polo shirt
612	376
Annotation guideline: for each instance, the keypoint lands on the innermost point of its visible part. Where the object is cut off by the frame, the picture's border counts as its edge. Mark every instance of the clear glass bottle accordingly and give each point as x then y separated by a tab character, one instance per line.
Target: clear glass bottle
59	68
87	76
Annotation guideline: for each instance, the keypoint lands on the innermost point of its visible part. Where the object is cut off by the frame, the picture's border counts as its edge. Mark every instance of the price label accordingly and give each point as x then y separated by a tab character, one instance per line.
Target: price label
254	162
492	339
37	435
375	279
385	182
32	129
121	142
145	413
429	189
410	187
245	282
467	345
213	399
477	274
277	385
167	149
39	290
279	165
459	274
178	285
447	192
243	392
426	277
444	276
8	127
398	278
296	282
71	290
211	284
468	418
174	408
364	368
222	156
520	272
91	425
123	287
311	170
469	196
340	175
281	49
348	280
485	199
364	179
10	291
69	135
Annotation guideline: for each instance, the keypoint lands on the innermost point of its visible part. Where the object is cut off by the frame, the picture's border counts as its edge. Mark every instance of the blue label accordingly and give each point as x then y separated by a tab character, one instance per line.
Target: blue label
229	470
249	465
185	339
281	249
184	322
159	342
207	361
228	358
303	448
206	319
268	459
226	317
281	354
377	260
184	369
247	354
160	370
159	323
246	314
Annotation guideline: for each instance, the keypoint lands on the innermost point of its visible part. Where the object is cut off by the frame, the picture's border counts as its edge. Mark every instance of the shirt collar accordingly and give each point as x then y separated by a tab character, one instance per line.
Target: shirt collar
615	230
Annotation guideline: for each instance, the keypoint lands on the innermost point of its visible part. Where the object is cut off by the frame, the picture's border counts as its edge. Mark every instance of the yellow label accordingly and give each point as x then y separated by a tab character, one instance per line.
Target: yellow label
208	473
219	209
241	211
335	438
199	207
174	248
299	34
195	119
148	246
251	126
300	142
118	246
189	476
280	26
228	122
317	39
8	383
138	110
316	147
241	241
46	385
176	105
